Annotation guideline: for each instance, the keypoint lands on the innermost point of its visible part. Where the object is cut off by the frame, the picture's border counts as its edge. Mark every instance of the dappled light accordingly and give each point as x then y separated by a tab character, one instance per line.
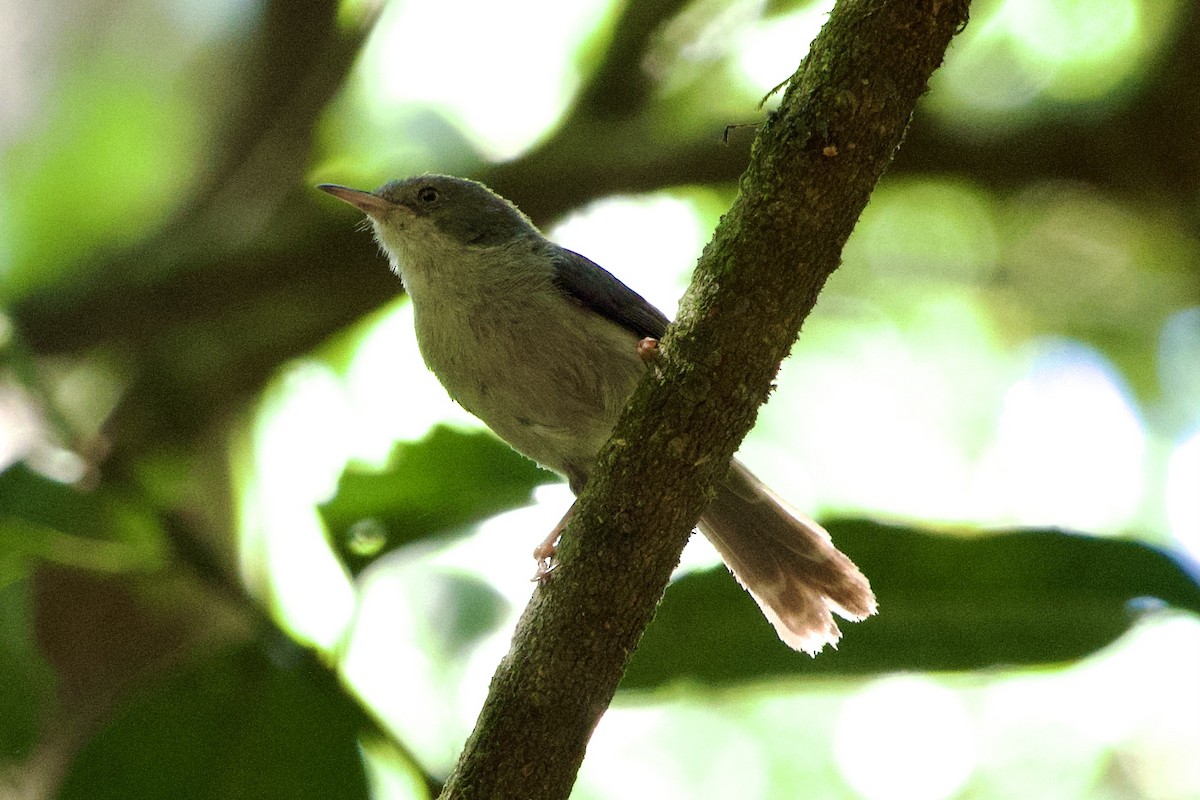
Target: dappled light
408	64
212	403
1022	56
905	738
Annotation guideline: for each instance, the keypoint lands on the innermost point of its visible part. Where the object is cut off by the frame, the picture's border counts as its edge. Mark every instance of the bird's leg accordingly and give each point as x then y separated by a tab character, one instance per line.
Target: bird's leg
647	350
544	552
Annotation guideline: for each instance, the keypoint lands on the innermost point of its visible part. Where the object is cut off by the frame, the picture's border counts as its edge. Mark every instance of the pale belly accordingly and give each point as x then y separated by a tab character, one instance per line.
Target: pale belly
550	385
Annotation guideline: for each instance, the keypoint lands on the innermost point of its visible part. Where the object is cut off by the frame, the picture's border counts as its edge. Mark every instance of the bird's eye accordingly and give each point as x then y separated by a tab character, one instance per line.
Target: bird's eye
427	194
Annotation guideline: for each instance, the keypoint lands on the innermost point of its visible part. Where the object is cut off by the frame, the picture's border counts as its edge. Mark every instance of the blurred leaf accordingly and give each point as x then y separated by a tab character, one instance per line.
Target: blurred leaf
1029	597
114	131
245	724
447	480
462	609
27	682
33	498
96	530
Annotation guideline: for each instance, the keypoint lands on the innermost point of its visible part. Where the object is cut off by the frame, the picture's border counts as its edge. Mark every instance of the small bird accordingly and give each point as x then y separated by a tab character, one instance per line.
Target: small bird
546	347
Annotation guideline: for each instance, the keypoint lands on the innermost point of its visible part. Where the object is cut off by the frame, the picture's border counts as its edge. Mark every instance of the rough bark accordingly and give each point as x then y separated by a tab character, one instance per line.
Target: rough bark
812	169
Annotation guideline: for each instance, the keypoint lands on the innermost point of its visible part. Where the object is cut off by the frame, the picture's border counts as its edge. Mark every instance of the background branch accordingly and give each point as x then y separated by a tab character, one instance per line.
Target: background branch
812	170
135	313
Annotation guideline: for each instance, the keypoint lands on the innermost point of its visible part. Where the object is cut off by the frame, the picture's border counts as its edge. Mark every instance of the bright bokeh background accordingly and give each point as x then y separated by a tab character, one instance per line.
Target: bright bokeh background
1017	356
922	388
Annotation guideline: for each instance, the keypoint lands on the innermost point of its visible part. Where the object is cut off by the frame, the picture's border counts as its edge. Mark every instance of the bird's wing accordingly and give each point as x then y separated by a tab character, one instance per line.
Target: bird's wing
598	290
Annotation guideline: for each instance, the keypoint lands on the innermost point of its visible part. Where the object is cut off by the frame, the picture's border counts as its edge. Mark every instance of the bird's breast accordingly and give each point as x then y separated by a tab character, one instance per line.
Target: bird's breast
547	375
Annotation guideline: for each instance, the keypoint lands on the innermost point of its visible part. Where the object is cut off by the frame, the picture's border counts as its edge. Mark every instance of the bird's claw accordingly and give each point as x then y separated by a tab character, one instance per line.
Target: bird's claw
543	554
545	567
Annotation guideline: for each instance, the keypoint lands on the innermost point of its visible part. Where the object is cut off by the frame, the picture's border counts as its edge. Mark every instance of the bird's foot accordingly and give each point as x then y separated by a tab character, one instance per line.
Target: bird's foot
543	554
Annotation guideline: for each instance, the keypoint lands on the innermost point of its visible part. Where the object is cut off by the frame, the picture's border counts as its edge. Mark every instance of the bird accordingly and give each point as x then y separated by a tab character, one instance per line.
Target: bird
546	347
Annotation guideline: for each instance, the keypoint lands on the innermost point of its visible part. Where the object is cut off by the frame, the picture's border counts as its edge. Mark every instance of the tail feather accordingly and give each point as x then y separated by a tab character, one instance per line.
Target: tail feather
786	562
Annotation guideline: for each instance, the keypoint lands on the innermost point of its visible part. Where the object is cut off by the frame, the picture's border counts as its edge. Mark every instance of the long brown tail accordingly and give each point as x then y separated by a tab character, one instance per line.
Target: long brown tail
786	561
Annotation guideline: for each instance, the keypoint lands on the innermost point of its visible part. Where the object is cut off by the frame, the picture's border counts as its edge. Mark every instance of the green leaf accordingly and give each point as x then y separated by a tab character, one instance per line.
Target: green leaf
1027	597
243	724
27	496
28	681
98	530
462	609
431	488
111	130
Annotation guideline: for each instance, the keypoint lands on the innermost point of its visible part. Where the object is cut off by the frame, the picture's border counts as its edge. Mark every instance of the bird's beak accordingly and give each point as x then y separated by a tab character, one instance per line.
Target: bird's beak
370	204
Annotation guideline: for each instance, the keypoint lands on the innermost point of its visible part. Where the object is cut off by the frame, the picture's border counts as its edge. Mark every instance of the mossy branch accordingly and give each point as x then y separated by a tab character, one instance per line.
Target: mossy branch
812	170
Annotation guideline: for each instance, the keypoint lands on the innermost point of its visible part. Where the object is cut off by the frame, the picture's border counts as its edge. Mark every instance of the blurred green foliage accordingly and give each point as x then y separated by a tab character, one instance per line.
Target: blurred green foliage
28	683
947	602
164	260
376	512
242	723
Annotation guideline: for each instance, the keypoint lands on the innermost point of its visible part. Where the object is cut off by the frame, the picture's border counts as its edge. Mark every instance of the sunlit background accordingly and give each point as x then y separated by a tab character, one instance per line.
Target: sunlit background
1020	355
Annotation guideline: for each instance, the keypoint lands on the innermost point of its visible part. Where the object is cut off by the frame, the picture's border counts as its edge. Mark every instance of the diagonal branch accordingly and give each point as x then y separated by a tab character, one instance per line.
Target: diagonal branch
812	170
620	88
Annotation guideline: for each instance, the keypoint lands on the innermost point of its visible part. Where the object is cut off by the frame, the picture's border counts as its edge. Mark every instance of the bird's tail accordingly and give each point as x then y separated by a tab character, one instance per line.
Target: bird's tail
786	561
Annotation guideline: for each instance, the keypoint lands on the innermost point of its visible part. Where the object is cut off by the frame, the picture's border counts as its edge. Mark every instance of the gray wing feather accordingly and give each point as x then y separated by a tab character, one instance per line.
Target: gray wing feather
597	289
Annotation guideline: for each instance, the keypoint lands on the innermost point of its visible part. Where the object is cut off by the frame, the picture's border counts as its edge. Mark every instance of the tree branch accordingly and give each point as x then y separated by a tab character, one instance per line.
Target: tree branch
620	88
812	170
